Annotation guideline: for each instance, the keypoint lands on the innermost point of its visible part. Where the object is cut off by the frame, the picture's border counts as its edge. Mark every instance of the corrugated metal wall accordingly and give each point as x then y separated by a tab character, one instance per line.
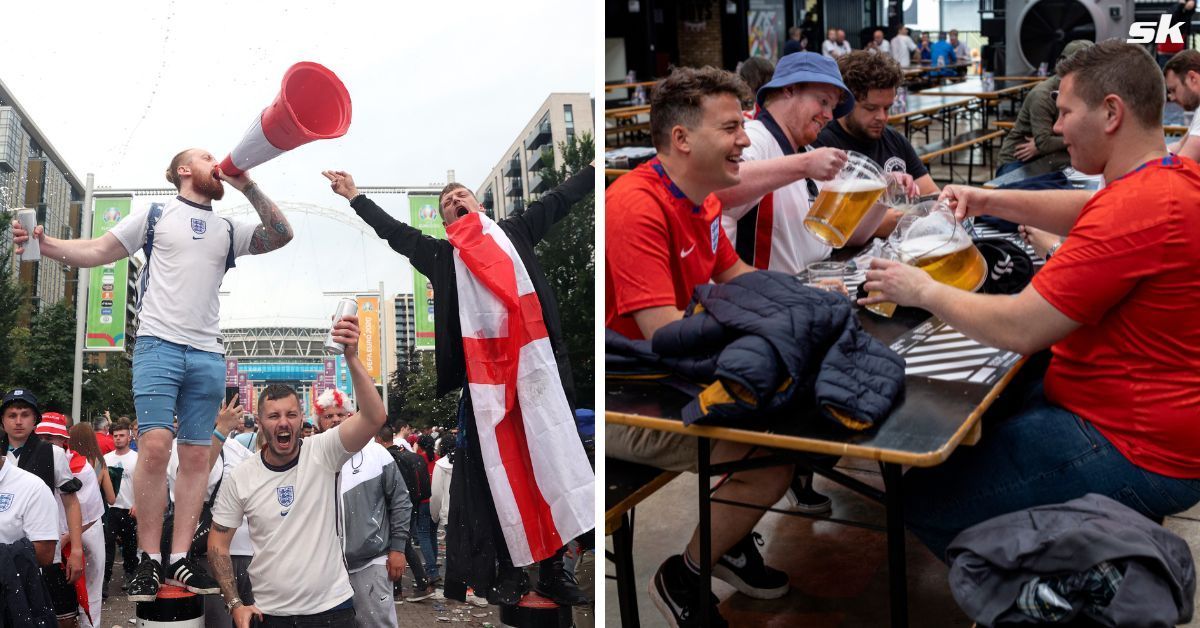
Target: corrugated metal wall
846	15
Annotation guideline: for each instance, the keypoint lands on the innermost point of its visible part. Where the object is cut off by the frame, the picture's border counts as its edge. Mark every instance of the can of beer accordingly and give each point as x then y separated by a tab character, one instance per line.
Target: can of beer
345	307
33	249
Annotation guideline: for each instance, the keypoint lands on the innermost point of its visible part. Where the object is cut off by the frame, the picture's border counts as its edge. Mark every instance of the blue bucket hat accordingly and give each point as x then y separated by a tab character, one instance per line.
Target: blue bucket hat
809	67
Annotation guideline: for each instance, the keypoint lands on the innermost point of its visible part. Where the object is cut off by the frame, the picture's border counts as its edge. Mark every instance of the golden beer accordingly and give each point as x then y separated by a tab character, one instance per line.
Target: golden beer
885	309
954	262
839	208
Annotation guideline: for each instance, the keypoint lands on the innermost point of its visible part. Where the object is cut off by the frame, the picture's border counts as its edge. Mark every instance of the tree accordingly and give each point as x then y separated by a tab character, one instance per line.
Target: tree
422	407
11	295
48	367
109	388
568	257
398	384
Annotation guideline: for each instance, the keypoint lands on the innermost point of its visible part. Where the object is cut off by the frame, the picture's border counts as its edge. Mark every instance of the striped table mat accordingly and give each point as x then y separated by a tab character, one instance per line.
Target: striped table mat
933	349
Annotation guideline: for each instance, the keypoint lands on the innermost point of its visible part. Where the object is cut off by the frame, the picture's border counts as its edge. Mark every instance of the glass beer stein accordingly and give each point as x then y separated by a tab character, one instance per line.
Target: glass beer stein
844	201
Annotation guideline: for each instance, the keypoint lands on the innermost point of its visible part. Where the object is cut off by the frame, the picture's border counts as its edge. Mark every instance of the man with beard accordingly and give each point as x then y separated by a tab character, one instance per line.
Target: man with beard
1182	74
501	501
178	361
873	79
289	497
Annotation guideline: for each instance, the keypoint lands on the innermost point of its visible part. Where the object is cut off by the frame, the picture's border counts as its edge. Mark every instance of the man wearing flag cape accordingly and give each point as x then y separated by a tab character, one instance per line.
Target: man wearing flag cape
523	487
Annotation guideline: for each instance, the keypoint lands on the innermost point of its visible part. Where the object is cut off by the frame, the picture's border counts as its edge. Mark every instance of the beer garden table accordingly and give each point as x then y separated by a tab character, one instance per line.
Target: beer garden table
974	87
919	105
933	418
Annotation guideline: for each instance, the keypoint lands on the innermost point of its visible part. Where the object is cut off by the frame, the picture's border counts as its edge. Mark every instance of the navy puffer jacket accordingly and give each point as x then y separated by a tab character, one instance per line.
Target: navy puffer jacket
768	342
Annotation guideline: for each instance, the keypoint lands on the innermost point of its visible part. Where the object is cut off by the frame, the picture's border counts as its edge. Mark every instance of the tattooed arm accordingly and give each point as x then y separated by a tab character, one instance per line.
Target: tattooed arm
222	570
275	231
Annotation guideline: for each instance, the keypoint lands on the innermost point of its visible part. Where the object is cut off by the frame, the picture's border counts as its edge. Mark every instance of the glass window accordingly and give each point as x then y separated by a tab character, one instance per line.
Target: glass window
569	117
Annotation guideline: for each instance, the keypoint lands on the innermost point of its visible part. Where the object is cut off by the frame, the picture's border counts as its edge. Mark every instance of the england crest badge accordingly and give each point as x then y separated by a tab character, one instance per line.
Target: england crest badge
199	226
286	495
6	500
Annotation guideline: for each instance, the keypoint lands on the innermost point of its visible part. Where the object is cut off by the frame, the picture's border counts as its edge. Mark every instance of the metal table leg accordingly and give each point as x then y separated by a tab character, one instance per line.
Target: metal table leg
626	587
703	446
897	579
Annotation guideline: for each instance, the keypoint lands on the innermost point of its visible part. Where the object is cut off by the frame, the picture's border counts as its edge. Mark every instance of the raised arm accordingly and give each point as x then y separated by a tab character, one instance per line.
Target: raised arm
81	253
554	205
767	175
359	429
421	250
275	230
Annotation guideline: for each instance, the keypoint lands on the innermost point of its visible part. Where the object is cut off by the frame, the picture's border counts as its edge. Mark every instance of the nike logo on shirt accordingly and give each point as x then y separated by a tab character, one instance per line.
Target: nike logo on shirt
686	252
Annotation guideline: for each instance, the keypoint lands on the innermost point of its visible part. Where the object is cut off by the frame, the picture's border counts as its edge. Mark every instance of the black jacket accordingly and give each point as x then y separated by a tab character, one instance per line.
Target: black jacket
433	257
770	343
991	561
37	457
24	600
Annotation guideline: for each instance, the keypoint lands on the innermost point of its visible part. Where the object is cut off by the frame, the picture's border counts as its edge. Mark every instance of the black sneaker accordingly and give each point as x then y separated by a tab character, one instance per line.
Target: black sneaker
190	575
675	591
511	585
742	566
143	587
421	594
562	588
806	499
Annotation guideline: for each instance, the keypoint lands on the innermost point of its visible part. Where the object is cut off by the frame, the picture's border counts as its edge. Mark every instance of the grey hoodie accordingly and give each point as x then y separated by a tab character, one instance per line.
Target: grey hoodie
375	506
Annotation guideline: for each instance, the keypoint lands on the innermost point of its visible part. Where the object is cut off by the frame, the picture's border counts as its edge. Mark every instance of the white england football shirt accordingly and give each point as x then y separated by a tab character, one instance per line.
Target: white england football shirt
792	246
298	566
26	506
179	286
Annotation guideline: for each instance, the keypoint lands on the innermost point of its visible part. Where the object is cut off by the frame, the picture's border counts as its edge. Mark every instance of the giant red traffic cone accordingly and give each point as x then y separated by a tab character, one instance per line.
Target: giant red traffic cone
312	105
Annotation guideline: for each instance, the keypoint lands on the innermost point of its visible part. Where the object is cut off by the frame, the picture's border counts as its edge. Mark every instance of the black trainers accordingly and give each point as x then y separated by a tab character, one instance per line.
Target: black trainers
806	499
557	583
421	594
511	585
143	587
190	575
675	591
742	566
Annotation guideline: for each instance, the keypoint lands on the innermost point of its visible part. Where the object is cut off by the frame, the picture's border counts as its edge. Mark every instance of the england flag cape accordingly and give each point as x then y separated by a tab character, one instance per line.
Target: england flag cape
544	493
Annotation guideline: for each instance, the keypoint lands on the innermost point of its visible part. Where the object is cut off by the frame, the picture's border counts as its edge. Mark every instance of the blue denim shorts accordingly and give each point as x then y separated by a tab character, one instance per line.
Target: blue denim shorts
171	380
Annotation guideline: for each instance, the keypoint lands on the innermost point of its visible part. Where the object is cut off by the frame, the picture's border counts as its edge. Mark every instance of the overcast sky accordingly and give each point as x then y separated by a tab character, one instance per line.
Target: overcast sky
118	88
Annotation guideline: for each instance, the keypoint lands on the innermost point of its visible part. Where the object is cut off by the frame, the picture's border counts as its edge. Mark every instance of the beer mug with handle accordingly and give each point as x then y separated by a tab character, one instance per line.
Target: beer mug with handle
929	238
844	201
935	242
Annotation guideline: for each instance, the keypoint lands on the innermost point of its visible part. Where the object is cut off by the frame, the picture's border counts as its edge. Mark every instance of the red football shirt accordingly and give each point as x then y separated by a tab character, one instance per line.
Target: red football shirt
1129	272
658	246
105	442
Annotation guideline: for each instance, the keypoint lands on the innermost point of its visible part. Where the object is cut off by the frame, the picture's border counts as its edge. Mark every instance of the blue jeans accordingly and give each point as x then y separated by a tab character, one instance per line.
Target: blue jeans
173	380
1009	167
1041	455
427	535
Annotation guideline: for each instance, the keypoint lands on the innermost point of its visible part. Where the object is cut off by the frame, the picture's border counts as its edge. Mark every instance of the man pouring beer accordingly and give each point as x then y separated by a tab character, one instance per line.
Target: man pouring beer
1115	411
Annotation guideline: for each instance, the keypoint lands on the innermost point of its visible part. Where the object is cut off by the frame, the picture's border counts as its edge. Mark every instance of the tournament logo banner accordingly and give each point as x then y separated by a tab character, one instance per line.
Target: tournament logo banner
107	284
425	217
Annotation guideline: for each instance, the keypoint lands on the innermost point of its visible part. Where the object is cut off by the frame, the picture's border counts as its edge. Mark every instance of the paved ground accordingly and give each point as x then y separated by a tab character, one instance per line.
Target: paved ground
118	612
838	573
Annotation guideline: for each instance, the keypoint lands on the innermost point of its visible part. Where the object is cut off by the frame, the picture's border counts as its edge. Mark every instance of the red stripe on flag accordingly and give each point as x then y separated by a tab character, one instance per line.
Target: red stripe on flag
495	361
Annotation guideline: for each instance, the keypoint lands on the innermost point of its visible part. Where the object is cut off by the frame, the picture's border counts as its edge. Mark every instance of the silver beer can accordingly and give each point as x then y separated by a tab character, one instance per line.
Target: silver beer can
345	307
33	249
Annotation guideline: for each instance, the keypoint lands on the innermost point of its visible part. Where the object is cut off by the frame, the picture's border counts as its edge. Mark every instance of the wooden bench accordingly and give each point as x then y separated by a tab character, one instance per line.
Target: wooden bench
962	141
626	484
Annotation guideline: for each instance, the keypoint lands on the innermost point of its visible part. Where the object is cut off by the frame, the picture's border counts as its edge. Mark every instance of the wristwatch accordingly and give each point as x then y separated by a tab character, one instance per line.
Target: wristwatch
1053	249
229	606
